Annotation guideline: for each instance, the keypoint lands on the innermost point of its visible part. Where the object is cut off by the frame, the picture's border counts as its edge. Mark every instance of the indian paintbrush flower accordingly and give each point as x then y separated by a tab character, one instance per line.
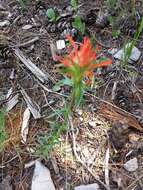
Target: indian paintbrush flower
80	62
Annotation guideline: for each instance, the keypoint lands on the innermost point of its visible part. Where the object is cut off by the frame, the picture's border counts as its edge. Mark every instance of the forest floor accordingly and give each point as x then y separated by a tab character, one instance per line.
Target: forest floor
106	131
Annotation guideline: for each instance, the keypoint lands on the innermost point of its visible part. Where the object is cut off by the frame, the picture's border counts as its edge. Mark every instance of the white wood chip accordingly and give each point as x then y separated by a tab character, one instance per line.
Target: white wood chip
31	66
41	178
27	27
13	100
25	125
12	103
33	107
9	93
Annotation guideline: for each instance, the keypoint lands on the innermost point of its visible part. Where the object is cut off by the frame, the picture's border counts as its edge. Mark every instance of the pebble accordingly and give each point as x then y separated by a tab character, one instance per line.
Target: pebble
60	44
79	111
4	23
93	186
92	123
27	27
131	165
135	53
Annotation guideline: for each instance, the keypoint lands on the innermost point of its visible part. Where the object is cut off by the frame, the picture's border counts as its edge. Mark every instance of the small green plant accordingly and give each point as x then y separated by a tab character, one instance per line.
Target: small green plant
114	22
23	4
48	141
3	134
128	48
111	4
77	22
78	64
74	5
52	16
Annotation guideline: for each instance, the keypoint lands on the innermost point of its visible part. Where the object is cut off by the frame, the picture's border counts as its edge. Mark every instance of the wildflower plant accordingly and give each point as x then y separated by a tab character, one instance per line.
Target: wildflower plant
80	63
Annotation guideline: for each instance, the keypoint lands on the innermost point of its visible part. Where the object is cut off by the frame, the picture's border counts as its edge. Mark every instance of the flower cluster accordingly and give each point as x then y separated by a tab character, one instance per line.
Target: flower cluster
80	63
82	59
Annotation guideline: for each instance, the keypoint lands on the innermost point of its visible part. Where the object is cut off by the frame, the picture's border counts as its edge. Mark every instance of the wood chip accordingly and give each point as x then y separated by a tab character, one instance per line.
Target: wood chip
33	107
31	66
116	114
25	125
12	100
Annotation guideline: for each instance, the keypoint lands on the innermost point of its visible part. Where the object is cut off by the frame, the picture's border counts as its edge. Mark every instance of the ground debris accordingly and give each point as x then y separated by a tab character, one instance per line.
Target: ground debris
5	184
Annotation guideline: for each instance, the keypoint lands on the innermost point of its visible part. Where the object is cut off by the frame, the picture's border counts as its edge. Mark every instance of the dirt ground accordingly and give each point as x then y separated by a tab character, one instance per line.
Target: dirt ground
110	121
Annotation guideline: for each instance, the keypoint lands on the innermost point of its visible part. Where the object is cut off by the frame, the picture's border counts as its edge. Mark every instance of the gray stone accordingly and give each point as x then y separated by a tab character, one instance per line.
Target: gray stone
135	53
4	23
131	165
93	186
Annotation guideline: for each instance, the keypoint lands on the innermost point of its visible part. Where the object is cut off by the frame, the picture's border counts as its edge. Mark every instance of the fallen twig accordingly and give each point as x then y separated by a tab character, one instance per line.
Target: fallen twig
107	168
26	43
33	107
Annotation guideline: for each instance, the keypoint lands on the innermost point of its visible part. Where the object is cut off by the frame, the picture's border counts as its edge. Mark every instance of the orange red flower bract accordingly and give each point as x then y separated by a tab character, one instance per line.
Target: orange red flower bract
84	56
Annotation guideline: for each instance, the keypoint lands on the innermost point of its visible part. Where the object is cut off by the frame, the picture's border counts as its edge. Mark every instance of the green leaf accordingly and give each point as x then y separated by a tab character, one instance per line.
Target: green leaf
74	4
115	33
23	4
51	14
3	134
56	87
65	81
78	24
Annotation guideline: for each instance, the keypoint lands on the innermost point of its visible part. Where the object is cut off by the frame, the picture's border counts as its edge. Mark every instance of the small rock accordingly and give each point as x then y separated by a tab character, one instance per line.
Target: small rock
133	137
135	54
79	111
27	27
131	165
42	178
4	23
92	123
95	122
81	119
60	44
93	186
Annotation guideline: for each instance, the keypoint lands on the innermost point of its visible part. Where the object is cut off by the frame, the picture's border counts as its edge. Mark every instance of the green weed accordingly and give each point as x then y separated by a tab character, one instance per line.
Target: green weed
77	22
52	16
3	134
23	4
111	4
47	142
128	49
